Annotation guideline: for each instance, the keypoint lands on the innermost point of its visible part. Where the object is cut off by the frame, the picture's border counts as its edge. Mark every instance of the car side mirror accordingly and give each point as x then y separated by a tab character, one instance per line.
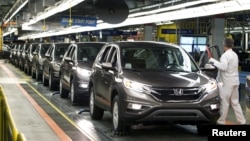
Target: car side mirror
67	59
34	53
107	65
47	55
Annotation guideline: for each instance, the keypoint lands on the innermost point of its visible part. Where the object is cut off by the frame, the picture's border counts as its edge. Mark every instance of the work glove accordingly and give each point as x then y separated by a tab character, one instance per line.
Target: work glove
212	61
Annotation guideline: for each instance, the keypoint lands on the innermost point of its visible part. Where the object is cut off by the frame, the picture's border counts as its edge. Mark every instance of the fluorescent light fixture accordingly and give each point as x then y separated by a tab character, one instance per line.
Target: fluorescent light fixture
59	7
200	11
17	10
170	8
164	23
10	31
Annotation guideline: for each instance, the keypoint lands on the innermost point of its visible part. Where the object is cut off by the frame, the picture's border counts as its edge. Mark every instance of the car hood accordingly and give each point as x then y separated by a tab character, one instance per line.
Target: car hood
85	65
167	78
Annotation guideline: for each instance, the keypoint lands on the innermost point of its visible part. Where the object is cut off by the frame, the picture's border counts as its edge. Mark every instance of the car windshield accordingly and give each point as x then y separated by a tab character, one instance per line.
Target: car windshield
161	58
87	54
60	50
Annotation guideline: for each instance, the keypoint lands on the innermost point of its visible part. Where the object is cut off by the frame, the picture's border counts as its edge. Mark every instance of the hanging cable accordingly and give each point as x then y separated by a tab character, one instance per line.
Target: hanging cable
70	18
44	25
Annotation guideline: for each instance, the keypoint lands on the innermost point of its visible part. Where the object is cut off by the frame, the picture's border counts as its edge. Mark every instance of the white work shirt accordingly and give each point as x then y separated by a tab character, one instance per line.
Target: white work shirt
228	68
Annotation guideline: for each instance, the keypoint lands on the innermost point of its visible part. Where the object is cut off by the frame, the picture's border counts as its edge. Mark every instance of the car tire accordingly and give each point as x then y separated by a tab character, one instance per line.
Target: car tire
51	81
73	96
96	112
63	92
25	70
33	74
28	71
21	67
118	125
37	74
45	81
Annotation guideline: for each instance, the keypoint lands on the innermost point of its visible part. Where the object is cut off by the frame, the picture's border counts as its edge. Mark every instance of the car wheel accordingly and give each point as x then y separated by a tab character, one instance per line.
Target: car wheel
37	73
51	82
28	70
33	74
73	96
45	81
21	67
63	93
118	124
24	69
96	112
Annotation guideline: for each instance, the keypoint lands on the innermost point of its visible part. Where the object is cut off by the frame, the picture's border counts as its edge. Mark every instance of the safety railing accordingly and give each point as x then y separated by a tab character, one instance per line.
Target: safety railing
8	130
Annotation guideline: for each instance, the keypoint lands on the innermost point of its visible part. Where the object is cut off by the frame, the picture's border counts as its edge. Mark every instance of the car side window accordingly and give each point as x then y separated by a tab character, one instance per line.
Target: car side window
112	57
49	51
73	54
69	51
105	53
52	50
36	50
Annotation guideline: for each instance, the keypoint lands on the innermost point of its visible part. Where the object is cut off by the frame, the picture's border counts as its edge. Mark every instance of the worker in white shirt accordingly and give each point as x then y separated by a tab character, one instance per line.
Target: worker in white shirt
228	82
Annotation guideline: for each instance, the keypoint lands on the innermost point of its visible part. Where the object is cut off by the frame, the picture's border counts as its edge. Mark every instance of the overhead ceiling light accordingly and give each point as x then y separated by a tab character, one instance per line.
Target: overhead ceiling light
164	23
59	7
201	11
16	11
170	8
12	30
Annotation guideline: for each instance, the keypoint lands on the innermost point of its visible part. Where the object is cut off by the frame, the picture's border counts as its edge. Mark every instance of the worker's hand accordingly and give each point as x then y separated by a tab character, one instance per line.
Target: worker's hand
211	60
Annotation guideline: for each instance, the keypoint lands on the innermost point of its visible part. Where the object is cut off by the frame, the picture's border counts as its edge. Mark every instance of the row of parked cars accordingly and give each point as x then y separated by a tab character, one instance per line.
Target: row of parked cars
58	65
138	82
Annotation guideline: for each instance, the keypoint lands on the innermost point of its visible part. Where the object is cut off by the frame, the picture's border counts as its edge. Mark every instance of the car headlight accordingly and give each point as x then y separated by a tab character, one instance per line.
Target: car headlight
84	72
136	86
210	86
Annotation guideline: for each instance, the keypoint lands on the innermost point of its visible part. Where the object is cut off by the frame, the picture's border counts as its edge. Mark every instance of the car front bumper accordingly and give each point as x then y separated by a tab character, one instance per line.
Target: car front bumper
143	108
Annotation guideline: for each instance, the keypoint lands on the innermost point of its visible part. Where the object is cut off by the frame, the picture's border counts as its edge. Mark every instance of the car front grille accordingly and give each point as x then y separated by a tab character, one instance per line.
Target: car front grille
178	94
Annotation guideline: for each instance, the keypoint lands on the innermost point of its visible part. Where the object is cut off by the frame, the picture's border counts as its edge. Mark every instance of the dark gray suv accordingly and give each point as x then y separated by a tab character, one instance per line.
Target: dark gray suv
29	57
151	82
37	60
52	63
75	70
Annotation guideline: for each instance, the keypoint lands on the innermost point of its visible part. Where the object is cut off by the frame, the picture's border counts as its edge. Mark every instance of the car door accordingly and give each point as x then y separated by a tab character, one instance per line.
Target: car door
48	59
100	85
108	74
35	57
64	63
69	64
209	69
